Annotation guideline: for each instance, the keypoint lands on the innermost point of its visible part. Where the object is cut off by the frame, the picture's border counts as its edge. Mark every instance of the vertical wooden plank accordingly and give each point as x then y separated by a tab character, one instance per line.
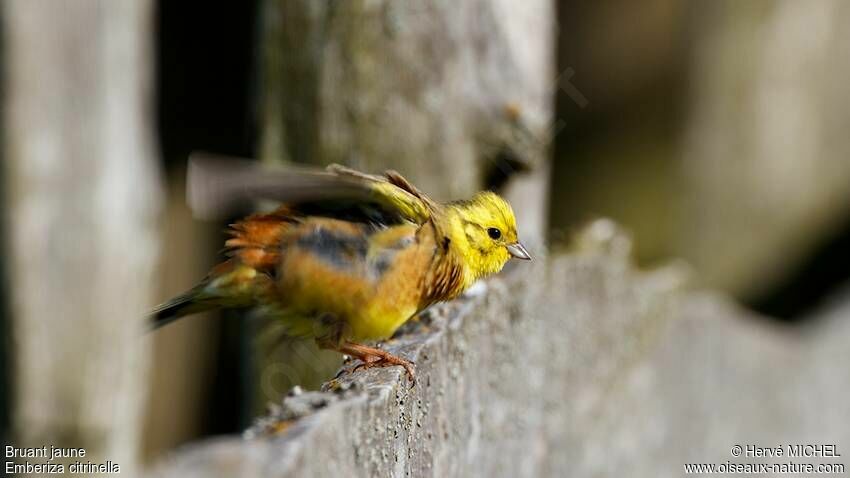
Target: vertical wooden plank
82	198
433	89
765	152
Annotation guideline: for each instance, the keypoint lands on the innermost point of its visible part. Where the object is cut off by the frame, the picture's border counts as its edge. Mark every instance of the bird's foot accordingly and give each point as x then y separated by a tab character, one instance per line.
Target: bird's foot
388	361
371	357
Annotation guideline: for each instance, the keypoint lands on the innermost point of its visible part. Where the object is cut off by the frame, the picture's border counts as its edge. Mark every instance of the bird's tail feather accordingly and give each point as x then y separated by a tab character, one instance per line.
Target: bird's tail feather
180	306
230	284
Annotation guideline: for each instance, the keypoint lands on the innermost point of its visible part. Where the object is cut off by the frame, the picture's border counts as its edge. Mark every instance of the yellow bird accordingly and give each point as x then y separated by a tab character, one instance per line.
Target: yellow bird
348	258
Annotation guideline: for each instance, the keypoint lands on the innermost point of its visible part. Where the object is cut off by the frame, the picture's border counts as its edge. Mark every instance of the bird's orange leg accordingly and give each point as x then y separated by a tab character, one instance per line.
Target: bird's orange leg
375	357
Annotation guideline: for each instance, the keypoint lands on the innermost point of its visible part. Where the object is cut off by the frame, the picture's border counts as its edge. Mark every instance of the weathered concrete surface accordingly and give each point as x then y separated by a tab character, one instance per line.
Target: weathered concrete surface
578	365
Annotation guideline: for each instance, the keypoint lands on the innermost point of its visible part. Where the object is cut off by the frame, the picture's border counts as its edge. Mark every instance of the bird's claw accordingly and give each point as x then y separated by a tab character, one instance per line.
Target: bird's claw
388	361
376	357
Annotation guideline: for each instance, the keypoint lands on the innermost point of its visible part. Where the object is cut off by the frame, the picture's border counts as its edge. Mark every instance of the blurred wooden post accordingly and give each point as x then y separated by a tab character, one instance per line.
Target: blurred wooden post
765	168
82	199
438	91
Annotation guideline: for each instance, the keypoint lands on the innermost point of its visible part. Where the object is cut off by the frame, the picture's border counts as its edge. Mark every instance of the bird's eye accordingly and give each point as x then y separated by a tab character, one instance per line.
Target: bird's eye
494	233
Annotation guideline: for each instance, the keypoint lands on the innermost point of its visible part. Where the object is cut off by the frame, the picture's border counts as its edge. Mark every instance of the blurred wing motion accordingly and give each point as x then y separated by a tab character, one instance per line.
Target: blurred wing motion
217	186
344	198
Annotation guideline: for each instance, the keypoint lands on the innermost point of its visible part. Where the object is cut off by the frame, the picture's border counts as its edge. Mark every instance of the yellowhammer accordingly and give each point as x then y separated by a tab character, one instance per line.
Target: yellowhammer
349	257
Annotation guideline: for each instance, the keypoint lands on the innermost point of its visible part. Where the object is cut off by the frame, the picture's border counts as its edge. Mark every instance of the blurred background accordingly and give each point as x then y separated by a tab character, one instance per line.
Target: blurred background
713	131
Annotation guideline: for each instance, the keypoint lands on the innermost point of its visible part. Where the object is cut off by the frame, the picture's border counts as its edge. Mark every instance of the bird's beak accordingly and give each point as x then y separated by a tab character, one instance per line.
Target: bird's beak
518	250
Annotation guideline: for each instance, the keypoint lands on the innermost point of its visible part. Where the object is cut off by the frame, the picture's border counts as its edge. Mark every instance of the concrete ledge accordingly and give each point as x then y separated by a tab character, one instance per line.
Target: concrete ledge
576	364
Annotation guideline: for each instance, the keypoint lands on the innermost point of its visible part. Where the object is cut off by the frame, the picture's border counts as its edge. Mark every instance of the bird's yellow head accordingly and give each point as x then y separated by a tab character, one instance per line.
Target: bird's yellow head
484	231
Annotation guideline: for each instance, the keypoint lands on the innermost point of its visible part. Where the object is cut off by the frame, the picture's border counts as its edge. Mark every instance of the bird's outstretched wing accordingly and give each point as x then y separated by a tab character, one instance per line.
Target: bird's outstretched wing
217	186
